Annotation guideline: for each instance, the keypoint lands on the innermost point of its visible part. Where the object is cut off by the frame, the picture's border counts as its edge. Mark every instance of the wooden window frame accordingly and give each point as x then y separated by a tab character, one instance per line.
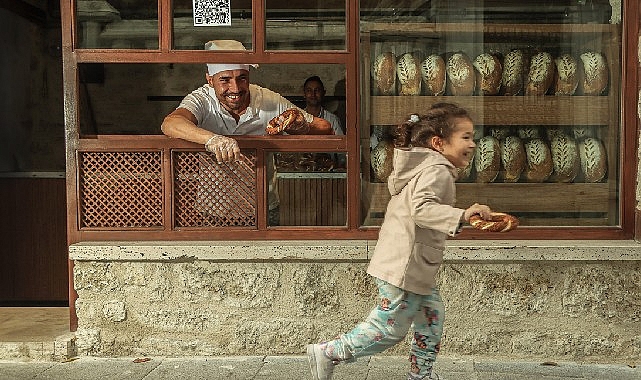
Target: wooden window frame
350	58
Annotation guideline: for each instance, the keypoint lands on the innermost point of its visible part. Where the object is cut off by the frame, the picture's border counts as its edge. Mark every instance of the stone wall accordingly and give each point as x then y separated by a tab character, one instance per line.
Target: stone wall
535	300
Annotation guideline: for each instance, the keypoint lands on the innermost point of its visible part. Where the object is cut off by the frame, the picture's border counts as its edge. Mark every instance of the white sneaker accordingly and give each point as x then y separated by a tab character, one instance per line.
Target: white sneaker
321	366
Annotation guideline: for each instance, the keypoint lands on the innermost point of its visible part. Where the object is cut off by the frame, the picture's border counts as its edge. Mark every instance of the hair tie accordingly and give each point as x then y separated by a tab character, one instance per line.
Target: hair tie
414	118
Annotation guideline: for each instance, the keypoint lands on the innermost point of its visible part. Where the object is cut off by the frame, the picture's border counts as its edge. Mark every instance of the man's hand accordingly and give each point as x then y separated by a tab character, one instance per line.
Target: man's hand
291	121
225	148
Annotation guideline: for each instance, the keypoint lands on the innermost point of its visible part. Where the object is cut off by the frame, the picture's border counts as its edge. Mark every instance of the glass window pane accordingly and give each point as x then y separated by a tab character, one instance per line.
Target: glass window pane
541	82
318	25
197	22
117	24
149	92
309	189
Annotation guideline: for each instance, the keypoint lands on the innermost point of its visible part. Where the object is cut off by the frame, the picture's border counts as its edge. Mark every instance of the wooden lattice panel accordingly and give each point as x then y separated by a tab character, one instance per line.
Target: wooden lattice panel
120	190
209	194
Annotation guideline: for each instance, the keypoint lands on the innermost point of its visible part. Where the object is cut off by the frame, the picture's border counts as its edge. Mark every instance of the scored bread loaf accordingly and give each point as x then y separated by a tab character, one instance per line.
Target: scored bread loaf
408	72
553	131
382	160
595	74
500	132
384	74
539	161
515	69
487	159
528	132
489	72
593	159
513	158
566	79
565	158
461	80
434	75
582	131
541	74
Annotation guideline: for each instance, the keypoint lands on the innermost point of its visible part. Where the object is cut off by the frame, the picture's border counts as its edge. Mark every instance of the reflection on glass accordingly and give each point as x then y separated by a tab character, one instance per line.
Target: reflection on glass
193	27
311	189
542	84
117	24
318	25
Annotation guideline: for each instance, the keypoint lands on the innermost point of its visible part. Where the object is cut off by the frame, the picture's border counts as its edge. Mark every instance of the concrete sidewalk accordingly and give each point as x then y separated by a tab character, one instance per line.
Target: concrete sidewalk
295	368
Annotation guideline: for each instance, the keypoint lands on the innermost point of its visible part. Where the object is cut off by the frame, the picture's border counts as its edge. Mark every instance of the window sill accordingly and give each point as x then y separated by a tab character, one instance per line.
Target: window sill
354	250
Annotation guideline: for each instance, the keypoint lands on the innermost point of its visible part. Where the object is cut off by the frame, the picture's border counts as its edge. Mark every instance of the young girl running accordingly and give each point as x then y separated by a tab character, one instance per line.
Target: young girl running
419	218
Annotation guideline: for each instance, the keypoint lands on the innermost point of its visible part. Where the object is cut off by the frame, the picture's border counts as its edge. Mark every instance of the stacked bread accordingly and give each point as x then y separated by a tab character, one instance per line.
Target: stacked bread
518	72
526	154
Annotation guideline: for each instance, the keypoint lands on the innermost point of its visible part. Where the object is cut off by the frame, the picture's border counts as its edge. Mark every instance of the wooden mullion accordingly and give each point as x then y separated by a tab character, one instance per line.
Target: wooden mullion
165	25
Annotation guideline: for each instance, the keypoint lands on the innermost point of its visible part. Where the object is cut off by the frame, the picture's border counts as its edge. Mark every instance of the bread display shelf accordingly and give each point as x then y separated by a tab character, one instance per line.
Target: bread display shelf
501	110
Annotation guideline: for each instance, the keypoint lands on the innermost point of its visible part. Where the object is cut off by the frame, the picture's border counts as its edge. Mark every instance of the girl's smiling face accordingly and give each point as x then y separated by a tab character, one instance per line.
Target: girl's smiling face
459	147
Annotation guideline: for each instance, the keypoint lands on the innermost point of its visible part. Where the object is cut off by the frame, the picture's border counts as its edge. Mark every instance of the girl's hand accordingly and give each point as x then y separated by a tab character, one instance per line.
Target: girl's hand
482	210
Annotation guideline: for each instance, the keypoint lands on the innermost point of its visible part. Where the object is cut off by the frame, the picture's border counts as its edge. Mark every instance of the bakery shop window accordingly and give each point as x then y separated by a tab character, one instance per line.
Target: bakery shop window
542	83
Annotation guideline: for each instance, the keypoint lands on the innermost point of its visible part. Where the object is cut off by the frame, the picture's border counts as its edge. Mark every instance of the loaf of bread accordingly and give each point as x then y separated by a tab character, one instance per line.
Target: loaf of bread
565	158
593	159
566	79
489	73
434	75
515	69
541	74
513	159
408	72
528	132
539	161
500	132
487	159
595	74
382	160
582	131
554	131
461	80
384	74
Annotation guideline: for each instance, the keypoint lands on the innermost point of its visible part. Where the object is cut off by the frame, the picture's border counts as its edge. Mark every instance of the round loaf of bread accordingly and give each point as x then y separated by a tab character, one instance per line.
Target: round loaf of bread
515	69
565	158
384	74
434	75
382	160
487	159
595	74
554	131
408	72
593	159
539	161
500	132
582	131
541	74
489	73
513	159
461	80
528	132
566	78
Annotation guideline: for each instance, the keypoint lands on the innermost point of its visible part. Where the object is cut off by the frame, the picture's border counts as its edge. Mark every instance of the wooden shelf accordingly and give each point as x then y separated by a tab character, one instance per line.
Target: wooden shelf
501	110
424	28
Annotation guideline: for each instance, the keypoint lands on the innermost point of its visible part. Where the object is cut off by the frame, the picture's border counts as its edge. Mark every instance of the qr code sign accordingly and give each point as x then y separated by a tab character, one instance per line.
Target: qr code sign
212	12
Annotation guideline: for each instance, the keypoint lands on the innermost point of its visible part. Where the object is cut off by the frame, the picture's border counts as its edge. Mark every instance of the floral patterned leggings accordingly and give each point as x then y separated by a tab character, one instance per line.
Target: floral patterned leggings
388	324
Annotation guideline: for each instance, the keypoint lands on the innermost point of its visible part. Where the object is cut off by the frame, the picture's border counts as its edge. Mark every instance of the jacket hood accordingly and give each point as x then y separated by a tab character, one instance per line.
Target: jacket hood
408	162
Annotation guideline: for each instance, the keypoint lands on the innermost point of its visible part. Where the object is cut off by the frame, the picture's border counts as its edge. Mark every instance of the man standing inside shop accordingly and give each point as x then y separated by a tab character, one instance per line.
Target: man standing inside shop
314	93
229	105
